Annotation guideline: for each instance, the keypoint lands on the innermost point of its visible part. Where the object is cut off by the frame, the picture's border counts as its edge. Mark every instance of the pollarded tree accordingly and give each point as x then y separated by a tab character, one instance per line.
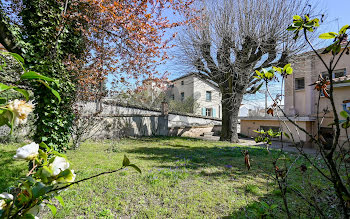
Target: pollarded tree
233	39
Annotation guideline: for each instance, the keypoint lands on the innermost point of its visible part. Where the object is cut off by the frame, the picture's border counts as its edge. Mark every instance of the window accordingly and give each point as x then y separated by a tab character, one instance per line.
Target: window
182	96
339	73
171	86
208	96
299	83
336	73
173	97
182	83
208	111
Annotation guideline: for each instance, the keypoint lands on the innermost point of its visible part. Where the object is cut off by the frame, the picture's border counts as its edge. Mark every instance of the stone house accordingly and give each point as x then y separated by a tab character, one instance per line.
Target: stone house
206	93
300	101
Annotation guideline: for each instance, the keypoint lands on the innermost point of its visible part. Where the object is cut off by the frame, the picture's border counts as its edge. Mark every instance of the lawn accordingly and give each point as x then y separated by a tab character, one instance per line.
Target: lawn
181	178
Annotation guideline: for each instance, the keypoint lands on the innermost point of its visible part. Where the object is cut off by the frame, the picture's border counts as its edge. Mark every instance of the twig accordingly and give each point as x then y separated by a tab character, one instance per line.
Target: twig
82	180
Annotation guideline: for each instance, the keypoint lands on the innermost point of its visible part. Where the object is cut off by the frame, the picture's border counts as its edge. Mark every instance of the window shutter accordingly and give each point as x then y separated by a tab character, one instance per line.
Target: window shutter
203	111
214	112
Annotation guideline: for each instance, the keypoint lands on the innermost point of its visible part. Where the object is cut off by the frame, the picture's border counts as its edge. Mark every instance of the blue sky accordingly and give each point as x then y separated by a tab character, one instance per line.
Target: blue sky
338	14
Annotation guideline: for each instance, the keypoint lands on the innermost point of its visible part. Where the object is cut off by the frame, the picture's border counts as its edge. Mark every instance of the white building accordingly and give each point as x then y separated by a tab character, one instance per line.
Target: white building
206	93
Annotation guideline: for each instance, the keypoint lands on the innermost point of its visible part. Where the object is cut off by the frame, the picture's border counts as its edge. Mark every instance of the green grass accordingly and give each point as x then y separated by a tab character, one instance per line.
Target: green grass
181	178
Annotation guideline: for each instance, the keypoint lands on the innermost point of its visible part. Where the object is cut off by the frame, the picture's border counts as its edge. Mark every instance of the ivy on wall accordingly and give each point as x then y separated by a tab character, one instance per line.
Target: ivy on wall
47	48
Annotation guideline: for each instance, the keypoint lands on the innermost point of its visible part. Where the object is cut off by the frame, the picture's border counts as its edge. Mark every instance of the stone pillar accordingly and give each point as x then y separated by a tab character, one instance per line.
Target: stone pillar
164	108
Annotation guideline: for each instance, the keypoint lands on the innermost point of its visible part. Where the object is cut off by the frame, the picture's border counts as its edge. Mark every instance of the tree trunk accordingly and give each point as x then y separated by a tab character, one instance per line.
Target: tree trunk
234	122
230	108
226	121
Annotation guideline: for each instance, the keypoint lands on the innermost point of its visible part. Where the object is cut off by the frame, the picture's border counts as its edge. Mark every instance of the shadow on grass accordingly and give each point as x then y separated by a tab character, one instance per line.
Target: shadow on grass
174	154
165	138
10	169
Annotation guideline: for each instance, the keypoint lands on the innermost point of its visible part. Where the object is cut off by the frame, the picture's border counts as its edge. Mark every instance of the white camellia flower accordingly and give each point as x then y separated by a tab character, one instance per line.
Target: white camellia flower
21	109
6	195
3	196
59	164
28	152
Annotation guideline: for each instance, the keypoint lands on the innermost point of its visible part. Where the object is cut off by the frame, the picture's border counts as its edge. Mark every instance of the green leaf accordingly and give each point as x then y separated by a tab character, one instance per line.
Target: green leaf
46	172
65	176
135	167
286	66
291	28
34	75
3	100
60	200
17	57
23	92
265	205
345	125
59	154
54	92
29	216
4	120
40	189
330	35
273	206
328	49
343	29
336	49
344	114
126	161
4	87
258	88
42	155
297	18
289	70
44	146
52	208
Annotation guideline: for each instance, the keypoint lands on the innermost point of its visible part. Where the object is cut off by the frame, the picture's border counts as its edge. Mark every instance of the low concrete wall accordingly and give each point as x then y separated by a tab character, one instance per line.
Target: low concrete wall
248	125
136	125
194	131
119	120
180	120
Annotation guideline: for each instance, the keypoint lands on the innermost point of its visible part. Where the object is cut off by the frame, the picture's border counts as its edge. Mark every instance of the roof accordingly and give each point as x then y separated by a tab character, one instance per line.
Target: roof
197	75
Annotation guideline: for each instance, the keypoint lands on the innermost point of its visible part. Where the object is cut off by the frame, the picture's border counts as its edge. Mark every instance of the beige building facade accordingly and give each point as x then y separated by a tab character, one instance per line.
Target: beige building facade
206	94
301	99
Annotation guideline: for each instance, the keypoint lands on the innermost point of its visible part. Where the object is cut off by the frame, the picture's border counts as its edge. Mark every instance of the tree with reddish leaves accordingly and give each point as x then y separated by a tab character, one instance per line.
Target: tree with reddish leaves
80	43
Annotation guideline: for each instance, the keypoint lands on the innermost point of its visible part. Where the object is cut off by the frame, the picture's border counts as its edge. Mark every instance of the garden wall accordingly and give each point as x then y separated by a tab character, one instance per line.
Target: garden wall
116	120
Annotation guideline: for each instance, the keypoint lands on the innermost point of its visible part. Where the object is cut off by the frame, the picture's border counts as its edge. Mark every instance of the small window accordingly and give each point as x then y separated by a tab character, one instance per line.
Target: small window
339	73
299	83
173	97
182	96
208	111
182	83
208	96
171	86
336	74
